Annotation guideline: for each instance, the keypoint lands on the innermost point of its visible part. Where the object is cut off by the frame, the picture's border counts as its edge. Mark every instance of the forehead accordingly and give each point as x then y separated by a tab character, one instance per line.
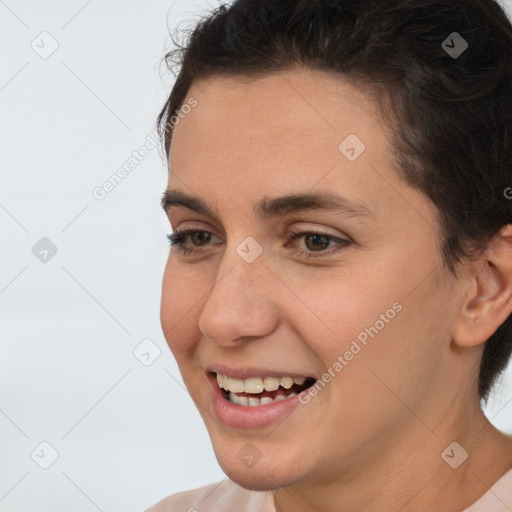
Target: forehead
252	137
298	117
292	103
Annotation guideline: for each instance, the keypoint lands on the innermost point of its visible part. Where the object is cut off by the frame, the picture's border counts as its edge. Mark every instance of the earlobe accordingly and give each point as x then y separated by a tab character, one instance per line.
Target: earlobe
489	299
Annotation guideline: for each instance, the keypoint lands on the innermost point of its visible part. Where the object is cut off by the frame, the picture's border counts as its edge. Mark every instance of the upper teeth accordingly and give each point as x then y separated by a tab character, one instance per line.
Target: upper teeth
257	384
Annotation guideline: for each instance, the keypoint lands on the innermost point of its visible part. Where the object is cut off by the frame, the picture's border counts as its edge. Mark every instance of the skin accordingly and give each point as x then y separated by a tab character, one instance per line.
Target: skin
372	438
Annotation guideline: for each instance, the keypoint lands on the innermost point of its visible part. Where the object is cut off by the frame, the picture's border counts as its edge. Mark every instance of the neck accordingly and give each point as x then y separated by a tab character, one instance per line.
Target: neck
409	474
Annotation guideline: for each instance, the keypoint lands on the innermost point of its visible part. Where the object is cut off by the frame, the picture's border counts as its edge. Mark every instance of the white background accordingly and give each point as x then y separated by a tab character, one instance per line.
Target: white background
126	434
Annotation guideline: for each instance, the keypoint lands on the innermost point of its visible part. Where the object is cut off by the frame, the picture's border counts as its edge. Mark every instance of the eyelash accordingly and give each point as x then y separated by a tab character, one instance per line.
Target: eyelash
178	238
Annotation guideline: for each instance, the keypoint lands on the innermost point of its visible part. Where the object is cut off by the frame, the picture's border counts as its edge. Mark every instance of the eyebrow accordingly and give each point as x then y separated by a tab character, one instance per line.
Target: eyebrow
269	207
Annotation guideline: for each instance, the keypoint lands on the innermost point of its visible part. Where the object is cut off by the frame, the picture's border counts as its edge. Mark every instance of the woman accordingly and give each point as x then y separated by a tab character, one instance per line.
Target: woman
338	294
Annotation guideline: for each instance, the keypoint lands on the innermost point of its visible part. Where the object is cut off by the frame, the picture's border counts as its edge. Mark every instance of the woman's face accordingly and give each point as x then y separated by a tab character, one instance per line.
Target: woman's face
365	301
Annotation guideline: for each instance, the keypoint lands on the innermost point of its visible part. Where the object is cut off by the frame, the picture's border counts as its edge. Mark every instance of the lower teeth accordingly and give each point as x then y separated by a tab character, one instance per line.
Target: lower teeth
255	401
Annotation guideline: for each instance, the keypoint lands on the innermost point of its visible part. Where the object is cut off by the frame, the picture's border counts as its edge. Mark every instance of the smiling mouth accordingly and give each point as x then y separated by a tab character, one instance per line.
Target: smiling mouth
258	391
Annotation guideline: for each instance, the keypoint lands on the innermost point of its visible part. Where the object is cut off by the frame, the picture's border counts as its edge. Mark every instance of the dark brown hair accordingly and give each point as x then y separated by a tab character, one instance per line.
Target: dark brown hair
451	114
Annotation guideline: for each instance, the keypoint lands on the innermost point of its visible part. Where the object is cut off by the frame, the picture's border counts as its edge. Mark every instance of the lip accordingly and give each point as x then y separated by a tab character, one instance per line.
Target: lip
239	416
252	372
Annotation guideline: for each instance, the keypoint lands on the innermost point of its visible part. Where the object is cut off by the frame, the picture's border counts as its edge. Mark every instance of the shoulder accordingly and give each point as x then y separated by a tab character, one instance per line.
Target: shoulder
497	499
224	496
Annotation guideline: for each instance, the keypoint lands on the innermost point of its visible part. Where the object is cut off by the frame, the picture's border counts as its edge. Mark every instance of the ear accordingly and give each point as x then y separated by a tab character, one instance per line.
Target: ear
488	302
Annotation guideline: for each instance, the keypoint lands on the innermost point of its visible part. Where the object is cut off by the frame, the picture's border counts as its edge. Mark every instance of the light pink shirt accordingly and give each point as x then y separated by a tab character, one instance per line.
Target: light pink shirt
226	496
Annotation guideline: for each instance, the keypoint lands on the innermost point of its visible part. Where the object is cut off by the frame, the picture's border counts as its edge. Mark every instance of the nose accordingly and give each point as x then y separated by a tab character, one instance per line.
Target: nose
241	305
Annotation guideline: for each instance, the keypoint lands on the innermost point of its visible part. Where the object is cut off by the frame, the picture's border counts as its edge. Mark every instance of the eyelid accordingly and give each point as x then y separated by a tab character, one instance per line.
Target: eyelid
307	228
297	226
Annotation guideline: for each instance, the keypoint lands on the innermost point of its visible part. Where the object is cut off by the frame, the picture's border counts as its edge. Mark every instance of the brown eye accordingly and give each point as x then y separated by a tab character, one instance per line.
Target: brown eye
316	242
199	237
190	240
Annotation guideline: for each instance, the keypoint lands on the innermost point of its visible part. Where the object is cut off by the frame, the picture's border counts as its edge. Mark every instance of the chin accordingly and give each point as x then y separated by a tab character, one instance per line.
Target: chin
260	480
272	471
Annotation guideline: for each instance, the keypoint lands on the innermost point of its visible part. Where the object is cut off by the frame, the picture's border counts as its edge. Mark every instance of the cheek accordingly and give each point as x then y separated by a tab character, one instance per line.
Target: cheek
374	323
179	308
399	354
342	310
